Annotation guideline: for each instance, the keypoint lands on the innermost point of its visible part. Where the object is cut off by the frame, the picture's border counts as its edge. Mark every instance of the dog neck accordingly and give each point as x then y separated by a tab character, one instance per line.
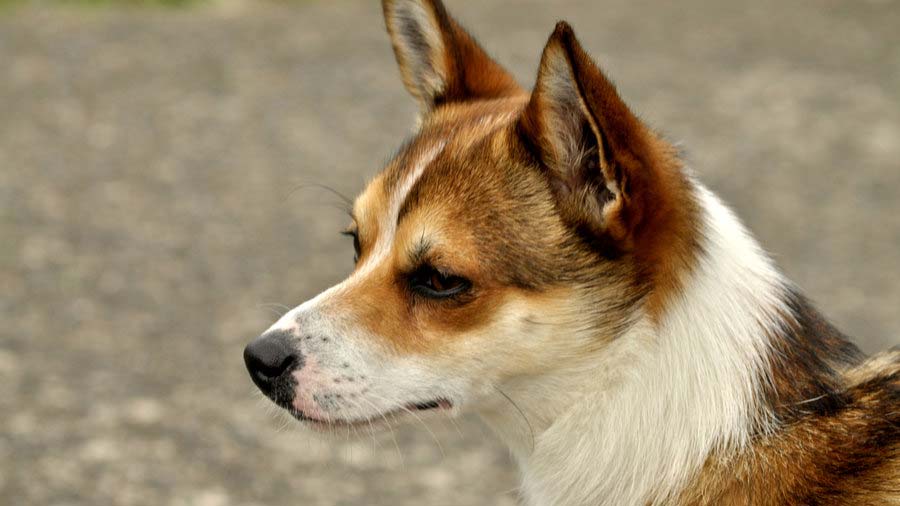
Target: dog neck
635	422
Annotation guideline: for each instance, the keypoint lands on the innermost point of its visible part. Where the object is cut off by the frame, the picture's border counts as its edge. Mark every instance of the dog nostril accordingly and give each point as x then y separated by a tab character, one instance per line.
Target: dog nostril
268	357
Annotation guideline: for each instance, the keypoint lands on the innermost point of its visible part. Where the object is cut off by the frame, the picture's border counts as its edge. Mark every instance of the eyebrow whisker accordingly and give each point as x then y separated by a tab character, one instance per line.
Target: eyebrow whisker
420	250
345	205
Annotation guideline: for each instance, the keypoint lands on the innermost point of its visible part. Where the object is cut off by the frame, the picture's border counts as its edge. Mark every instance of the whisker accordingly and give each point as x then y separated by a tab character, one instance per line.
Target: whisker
455	425
522	413
272	306
391	428
417	417
346	202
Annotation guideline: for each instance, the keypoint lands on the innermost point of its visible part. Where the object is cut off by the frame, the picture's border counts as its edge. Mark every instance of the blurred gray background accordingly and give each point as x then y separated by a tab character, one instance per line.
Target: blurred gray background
156	214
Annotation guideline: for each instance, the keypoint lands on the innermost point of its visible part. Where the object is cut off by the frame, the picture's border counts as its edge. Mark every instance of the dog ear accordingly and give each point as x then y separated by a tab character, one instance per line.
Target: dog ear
601	159
439	61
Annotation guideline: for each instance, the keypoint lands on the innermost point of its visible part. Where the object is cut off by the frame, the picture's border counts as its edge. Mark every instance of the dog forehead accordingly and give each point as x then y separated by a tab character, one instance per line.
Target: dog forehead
465	184
447	150
459	127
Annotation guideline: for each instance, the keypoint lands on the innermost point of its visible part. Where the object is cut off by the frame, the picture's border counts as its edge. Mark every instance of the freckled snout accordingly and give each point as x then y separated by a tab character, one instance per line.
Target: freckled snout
270	359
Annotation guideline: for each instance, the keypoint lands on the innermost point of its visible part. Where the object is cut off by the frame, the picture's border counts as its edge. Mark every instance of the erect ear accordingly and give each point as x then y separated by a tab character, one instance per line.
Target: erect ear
601	159
439	61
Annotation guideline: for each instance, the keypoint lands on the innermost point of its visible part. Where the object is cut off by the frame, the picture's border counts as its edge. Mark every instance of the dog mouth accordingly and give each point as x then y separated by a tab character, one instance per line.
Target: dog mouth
383	418
425	406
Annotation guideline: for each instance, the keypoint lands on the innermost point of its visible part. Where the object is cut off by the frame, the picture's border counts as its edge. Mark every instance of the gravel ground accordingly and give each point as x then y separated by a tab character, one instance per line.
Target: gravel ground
156	211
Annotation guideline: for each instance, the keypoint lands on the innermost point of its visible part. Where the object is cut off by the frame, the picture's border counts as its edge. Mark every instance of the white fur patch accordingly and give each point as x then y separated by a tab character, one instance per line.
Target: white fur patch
383	243
661	398
388	222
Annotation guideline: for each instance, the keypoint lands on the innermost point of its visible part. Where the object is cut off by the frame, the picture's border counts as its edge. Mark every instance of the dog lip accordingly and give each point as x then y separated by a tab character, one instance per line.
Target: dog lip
427	405
382	417
434	404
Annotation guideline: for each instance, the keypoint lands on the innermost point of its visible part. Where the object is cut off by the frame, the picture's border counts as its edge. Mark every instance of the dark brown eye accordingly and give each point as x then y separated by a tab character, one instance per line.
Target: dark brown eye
434	284
356	249
439	282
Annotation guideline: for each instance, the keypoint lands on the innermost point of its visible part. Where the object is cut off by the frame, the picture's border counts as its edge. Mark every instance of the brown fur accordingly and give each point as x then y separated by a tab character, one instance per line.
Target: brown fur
655	216
848	454
480	197
526	213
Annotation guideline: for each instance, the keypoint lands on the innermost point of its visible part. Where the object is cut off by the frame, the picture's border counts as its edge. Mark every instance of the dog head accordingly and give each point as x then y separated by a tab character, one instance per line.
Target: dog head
513	234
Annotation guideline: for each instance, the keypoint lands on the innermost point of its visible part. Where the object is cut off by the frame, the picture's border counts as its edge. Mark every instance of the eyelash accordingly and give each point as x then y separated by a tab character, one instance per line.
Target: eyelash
426	281
356	247
429	282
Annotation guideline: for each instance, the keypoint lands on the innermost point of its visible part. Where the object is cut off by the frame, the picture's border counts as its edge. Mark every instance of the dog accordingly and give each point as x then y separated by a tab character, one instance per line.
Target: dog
545	260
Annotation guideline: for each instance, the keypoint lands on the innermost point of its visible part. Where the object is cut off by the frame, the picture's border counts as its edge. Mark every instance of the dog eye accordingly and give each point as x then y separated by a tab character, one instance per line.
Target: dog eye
434	284
356	249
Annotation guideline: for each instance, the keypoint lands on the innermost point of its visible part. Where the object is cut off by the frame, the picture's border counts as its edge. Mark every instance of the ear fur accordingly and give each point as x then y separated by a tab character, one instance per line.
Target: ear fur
439	61
605	165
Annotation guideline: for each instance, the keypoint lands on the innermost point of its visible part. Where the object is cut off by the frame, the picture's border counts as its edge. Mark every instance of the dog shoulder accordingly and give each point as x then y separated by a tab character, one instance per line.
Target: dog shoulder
851	456
871	424
848	456
884	366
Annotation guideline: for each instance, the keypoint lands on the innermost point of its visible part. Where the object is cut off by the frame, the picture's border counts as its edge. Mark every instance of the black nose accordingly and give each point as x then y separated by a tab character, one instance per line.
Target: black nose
269	357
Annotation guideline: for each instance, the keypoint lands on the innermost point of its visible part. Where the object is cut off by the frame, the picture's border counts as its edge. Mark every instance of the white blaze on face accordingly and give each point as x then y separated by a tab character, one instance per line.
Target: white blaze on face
383	243
388	222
